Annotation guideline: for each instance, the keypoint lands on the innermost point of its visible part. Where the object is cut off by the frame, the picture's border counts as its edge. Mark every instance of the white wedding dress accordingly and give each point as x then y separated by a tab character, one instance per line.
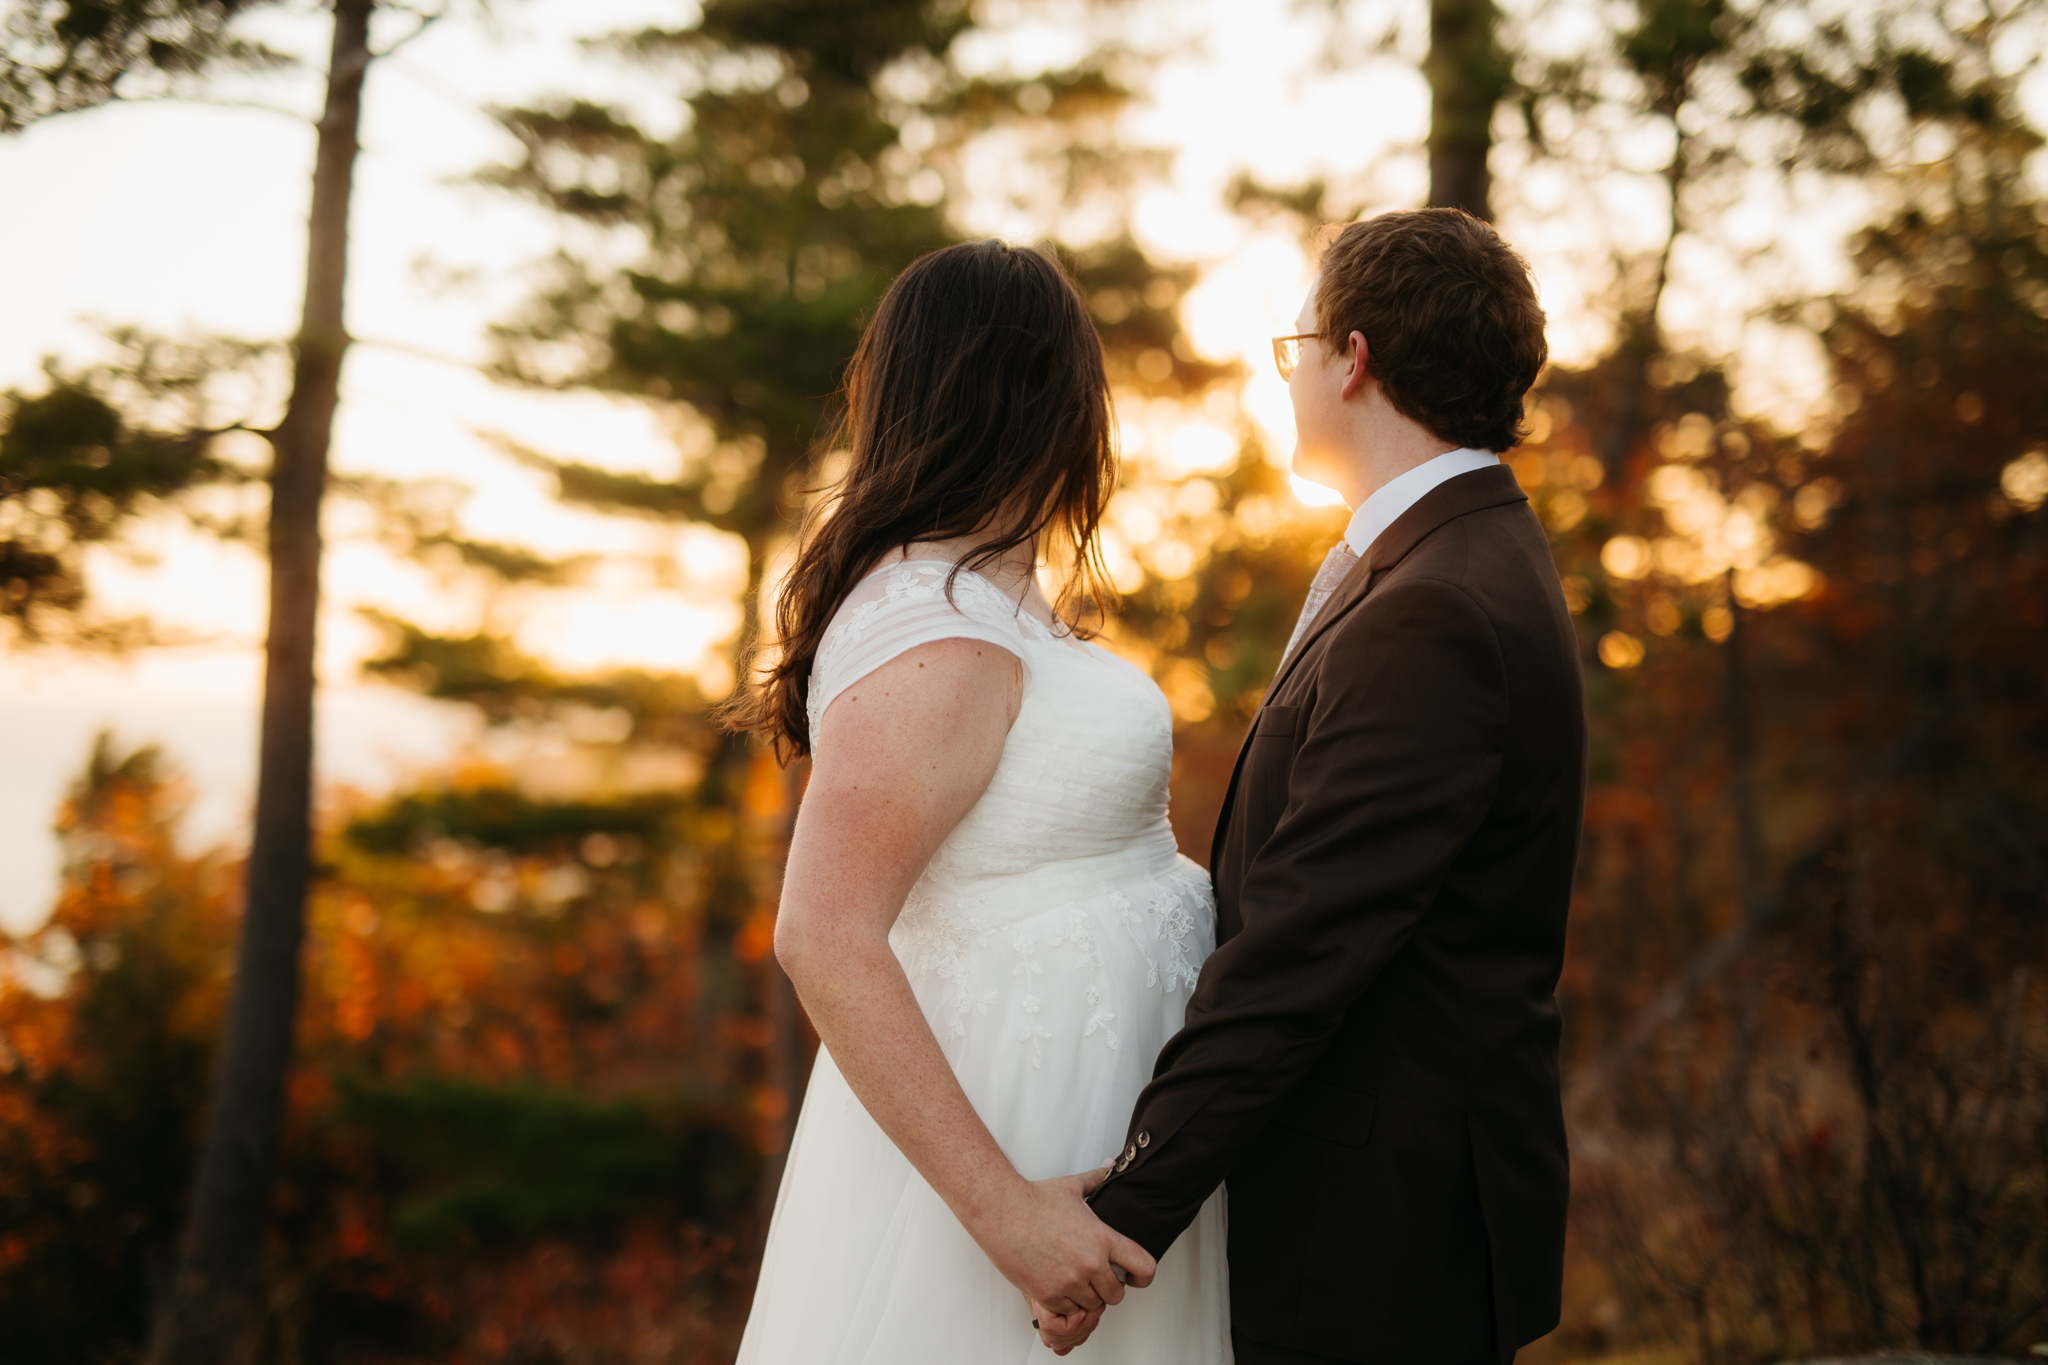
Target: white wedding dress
1053	942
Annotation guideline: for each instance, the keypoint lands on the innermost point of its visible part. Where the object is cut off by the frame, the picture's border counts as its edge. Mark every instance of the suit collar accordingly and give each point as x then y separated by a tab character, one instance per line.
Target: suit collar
1492	486
1402	492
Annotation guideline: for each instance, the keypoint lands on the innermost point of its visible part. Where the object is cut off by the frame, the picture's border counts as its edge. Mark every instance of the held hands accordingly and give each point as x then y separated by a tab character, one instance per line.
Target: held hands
1069	1264
1062	1334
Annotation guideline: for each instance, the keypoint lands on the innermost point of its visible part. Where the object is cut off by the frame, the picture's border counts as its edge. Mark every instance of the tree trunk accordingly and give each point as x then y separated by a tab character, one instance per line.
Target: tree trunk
212	1312
1468	74
1742	764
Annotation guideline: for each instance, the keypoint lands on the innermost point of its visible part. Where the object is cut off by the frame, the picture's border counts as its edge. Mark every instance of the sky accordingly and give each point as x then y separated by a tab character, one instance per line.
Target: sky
190	217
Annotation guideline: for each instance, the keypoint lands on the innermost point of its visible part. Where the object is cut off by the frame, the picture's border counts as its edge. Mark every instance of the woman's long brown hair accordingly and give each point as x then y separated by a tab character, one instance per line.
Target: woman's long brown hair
975	405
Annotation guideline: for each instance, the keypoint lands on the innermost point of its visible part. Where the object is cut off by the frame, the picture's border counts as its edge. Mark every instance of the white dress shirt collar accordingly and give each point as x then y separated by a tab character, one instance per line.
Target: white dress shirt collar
1398	494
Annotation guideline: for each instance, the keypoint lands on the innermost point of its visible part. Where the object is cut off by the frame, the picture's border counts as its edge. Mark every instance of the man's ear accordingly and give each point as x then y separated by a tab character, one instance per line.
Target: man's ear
1361	369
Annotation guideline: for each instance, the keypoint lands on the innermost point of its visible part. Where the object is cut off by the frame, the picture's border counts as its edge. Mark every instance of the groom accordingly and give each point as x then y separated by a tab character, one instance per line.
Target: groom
1370	1058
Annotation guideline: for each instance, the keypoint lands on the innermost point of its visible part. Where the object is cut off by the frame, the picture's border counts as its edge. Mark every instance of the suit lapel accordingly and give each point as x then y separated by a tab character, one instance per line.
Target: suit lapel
1494	486
1230	796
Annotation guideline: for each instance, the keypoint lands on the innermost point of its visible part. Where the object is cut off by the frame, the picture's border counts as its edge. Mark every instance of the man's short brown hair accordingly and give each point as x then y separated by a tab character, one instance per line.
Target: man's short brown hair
1451	323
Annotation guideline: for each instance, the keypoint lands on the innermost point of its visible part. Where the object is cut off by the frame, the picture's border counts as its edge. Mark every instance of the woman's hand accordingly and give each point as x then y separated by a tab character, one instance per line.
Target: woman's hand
1045	1240
1062	1334
901	757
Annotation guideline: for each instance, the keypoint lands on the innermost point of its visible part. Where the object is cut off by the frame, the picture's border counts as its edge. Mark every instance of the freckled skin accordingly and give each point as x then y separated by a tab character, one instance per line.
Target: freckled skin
894	767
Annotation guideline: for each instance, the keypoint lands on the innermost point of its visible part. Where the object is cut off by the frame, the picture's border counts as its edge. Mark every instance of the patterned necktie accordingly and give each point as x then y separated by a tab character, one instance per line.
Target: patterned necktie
1335	565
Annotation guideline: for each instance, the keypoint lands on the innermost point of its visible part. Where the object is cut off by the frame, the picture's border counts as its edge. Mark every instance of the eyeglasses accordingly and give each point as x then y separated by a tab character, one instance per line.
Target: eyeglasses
1287	351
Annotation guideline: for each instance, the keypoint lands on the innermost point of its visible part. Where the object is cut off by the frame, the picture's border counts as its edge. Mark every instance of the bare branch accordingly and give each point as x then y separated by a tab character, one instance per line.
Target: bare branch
417	352
426	21
303	120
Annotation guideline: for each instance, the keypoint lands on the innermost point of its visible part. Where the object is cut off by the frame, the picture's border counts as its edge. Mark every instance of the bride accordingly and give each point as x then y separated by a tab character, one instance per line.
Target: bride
984	912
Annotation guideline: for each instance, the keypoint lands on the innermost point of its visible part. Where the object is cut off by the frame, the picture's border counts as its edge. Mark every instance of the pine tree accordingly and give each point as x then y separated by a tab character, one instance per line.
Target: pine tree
819	144
78	54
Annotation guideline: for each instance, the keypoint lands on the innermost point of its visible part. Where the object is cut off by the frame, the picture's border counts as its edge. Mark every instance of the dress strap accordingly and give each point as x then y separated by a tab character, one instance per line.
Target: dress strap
901	606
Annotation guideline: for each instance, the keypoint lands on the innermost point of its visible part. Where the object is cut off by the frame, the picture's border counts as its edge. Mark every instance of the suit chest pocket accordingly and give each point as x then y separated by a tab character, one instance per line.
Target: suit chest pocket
1267	764
1276	722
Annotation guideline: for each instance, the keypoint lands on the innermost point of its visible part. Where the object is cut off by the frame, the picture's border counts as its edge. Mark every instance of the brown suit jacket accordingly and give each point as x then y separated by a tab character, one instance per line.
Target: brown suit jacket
1370	1056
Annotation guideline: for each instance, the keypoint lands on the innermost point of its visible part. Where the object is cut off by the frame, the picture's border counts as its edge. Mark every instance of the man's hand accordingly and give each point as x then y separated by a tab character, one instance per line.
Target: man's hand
1047	1241
1062	1334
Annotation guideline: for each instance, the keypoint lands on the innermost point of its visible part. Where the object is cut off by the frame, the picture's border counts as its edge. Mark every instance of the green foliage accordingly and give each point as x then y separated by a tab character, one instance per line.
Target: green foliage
65	55
464	1163
1669	42
1836	86
80	461
810	169
505	563
772	224
492	674
504	818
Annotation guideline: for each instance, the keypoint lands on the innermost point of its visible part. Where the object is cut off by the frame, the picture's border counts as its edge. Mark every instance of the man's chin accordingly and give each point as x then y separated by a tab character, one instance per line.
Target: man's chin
1311	470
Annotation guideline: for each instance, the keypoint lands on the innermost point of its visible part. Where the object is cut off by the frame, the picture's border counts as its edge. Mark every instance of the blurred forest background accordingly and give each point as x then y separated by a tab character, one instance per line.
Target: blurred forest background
544	1065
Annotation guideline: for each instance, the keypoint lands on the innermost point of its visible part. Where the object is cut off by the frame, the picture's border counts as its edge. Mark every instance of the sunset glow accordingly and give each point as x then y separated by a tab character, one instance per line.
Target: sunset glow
436	260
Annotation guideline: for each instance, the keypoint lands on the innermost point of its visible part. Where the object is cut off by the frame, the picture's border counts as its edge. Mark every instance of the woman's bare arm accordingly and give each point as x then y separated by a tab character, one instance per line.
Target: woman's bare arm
899	759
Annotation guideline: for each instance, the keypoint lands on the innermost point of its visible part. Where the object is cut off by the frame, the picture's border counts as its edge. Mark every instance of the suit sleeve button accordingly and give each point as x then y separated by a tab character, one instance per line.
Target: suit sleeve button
1144	1139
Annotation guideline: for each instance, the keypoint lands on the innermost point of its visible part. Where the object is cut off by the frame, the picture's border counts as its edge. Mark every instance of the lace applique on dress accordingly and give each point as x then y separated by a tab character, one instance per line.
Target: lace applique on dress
963	1002
936	940
932	938
1081	937
1034	1033
1164	929
1173	922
